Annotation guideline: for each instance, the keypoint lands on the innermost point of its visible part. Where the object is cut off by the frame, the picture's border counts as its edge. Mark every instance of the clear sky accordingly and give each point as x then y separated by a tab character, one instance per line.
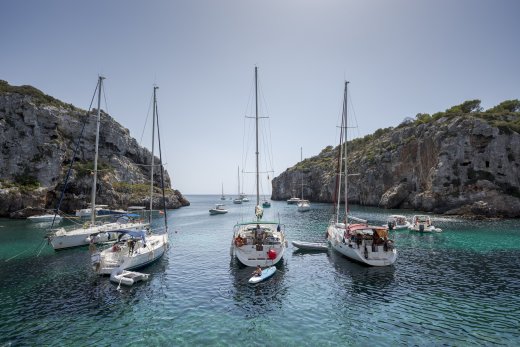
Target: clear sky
402	57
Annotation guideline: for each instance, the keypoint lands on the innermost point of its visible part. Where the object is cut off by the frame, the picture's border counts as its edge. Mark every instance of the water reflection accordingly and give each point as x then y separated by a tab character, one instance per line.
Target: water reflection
366	280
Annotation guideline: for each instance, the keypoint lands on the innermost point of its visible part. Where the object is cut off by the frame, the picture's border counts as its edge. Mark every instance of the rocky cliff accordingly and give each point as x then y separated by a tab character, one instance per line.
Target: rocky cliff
38	135
460	161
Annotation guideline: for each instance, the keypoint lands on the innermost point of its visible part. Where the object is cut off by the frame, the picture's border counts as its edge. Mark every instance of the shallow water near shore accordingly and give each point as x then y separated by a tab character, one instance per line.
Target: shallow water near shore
458	287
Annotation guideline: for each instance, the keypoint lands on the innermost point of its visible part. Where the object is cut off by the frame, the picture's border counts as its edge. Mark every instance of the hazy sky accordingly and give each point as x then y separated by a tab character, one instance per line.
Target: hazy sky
401	57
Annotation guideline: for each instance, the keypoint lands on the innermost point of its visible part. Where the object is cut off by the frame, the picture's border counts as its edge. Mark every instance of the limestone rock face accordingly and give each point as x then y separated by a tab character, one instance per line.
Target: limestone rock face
37	143
453	165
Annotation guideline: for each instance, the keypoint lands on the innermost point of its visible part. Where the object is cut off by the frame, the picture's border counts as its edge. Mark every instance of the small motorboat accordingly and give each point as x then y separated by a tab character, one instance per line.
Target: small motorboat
396	222
219	209
423	223
310	246
293	201
266	204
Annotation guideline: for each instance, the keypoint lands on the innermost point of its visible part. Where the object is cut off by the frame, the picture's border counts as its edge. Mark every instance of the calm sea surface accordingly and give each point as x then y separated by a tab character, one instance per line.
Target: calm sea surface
460	287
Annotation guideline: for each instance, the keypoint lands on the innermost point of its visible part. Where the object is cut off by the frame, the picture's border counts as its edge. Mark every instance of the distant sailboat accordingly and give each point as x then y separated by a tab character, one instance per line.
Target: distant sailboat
266	203
242	195
222	197
238	200
303	205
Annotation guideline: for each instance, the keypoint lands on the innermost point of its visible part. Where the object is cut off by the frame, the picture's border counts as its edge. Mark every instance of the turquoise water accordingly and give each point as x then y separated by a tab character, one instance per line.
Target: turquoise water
459	287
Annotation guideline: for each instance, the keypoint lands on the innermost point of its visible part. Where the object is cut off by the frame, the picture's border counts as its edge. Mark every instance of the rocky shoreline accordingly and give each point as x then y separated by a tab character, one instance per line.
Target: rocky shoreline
464	163
39	134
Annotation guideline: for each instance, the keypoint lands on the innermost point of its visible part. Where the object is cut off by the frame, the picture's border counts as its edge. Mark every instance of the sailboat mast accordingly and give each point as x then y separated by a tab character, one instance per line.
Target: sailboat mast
257	160
162	168
153	145
301	173
340	158
345	137
96	153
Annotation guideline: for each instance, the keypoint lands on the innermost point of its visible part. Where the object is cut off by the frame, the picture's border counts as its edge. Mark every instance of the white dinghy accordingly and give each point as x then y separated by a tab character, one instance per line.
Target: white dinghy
128	278
310	246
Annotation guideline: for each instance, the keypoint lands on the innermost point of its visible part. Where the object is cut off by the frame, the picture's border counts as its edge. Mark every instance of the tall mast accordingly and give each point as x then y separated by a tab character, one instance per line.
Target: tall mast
301	173
162	167
96	153
345	136
153	145
256	118
337	193
238	180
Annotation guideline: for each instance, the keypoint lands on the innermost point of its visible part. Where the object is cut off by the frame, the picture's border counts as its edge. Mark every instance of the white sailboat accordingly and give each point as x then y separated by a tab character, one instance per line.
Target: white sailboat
242	195
92	232
358	241
238	200
222	197
258	243
135	249
303	205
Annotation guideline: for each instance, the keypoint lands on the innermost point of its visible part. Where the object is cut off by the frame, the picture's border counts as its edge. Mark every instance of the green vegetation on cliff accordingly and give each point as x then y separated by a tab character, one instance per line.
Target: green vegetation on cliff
37	96
84	168
505	116
24	182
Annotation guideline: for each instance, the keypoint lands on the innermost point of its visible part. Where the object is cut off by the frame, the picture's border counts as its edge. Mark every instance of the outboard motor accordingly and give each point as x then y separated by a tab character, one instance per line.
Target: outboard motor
421	227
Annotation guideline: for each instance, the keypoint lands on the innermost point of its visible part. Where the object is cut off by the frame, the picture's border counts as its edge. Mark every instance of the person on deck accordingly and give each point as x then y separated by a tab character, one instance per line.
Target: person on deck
131	245
258	271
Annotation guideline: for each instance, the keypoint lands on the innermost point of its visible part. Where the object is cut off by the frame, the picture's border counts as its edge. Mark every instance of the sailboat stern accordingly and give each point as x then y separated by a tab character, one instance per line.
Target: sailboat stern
256	244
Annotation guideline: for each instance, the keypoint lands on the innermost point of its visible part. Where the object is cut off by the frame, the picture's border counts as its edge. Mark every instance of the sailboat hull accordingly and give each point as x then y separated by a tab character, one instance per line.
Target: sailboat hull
62	239
121	257
265	248
363	252
304	206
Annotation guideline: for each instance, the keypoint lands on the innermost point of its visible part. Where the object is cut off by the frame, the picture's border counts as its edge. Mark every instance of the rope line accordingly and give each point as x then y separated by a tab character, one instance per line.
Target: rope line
74	154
